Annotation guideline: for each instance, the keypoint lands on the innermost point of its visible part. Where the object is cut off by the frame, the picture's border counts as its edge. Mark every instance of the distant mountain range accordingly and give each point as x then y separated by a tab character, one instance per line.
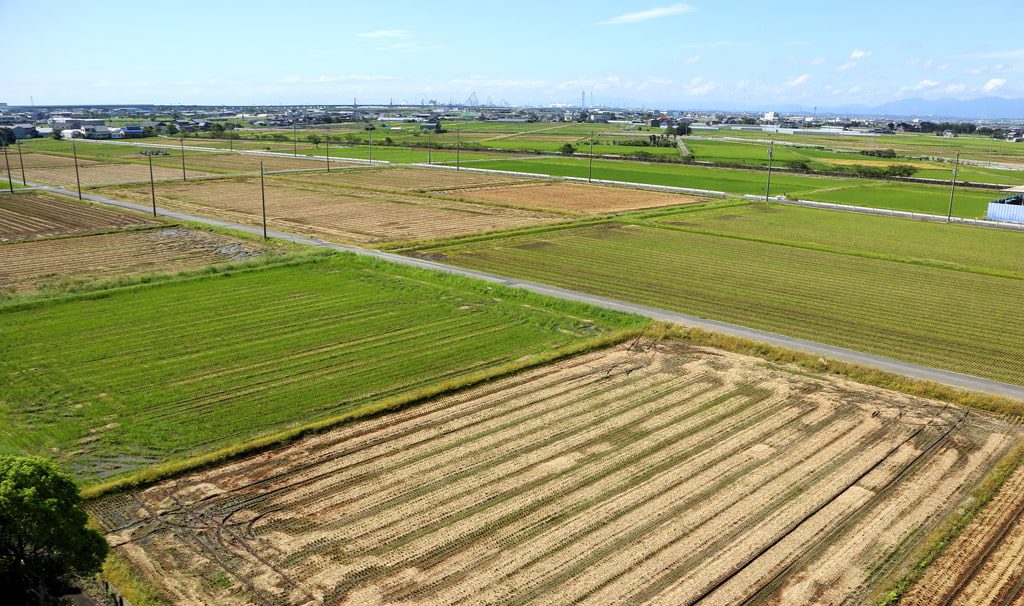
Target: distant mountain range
982	108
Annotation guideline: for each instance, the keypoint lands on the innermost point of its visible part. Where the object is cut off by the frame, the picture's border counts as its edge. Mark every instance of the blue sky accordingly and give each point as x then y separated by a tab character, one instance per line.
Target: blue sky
664	54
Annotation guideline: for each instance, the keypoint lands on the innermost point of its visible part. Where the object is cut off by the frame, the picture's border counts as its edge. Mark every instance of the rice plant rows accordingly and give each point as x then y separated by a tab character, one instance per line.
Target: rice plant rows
646	473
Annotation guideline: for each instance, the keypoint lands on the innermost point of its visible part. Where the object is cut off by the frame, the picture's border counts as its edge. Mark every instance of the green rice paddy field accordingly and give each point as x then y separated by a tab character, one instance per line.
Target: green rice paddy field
863	192
921	311
118	380
955	246
756	154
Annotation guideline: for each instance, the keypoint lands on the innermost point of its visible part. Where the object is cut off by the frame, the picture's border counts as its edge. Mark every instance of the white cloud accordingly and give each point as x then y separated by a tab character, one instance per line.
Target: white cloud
954	88
817	61
699	86
336	79
647	15
846	66
410	47
386	33
994	84
693	59
859	54
798	81
924	84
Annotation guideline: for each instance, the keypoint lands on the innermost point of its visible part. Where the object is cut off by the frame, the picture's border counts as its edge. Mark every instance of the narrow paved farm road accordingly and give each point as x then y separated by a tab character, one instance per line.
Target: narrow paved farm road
916	371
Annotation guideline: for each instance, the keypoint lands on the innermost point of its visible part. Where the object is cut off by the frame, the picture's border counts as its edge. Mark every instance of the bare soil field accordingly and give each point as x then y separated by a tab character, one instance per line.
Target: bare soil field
346	215
37	160
408	179
95	174
26	266
251	162
985	564
648	473
25	216
574	197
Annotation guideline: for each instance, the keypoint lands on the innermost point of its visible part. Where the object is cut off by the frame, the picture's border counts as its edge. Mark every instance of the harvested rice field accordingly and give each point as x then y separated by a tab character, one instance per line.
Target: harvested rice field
575	197
985	564
229	162
409	179
42	264
345	215
35	160
30	215
95	174
648	473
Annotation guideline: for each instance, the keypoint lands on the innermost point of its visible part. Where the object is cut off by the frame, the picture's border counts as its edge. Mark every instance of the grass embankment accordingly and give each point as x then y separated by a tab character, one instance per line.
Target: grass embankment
903	306
894	195
134	383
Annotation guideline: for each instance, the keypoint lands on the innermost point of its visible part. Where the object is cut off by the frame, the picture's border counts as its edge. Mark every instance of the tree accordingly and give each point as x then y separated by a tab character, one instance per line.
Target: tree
567	149
44	542
315	140
217	128
172	128
56	134
683	129
7	137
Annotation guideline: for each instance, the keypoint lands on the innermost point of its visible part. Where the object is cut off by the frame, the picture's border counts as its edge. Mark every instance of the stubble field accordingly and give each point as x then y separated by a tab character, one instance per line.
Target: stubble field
574	197
29	215
985	563
96	174
346	215
647	473
407	178
59	263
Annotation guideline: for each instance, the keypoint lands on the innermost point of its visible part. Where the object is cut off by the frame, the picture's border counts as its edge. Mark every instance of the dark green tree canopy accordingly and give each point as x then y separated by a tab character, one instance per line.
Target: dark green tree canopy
44	542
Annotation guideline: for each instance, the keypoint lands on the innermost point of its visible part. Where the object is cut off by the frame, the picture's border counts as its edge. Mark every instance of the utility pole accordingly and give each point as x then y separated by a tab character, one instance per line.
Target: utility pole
21	161
327	140
263	201
952	188
370	153
458	146
768	189
428	148
295	141
78	180
183	177
590	168
7	162
152	187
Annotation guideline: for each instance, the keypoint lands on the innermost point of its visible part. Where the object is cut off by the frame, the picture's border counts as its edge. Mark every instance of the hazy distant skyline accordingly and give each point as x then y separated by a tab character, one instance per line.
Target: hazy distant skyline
626	53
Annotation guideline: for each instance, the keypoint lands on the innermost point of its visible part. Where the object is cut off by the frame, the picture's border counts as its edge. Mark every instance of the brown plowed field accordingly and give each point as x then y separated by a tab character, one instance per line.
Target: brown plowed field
36	160
574	197
345	215
985	564
408	179
647	474
250	162
24	216
37	264
94	174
